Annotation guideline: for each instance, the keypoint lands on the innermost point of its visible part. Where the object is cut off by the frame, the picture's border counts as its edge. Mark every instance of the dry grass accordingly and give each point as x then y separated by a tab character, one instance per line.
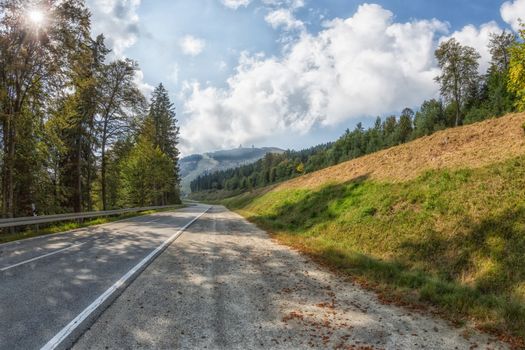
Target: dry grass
470	146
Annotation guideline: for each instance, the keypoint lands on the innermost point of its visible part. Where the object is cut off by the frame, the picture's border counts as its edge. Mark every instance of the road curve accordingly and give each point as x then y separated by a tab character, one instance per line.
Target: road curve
226	285
47	281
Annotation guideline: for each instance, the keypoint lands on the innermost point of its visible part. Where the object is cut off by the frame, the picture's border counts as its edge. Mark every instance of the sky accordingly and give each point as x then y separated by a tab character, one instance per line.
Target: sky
292	73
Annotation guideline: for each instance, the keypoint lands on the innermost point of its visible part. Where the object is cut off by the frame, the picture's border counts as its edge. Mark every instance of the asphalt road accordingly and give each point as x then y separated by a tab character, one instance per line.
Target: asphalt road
224	284
48	281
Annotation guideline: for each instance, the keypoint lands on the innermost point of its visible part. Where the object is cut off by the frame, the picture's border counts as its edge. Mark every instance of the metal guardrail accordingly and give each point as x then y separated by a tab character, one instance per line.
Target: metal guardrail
34	220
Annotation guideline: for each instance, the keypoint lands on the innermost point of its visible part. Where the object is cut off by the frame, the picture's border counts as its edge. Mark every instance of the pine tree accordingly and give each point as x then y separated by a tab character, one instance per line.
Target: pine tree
148	172
165	135
499	99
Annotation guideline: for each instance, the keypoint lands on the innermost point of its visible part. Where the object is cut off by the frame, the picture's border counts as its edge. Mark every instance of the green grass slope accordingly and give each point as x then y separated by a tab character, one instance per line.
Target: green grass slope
451	238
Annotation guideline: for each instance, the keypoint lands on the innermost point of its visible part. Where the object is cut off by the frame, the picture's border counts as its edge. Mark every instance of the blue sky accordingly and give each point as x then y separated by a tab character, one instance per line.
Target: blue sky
291	73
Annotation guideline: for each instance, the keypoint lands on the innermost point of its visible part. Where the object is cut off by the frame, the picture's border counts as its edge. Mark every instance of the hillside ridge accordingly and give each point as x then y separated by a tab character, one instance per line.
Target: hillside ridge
469	146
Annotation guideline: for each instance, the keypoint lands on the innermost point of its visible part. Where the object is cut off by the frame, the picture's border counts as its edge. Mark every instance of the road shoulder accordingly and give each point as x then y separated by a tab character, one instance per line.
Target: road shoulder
225	284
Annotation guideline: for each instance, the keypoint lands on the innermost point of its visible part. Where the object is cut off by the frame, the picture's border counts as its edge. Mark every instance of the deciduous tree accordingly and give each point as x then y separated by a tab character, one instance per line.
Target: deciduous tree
517	71
120	102
459	72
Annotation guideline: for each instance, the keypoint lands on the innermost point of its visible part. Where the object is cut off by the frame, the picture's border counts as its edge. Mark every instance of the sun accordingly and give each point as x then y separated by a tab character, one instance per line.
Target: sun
36	16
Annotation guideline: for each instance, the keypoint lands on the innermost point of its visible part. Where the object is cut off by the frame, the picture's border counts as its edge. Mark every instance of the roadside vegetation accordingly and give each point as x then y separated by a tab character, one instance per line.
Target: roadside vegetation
48	229
454	239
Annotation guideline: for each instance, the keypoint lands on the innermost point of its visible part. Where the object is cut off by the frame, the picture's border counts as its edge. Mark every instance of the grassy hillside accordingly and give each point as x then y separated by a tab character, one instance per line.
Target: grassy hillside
438	221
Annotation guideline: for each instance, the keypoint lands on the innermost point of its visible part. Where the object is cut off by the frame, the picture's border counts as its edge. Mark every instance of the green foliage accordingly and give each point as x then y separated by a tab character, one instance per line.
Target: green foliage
120	102
74	122
430	118
405	126
459	73
516	82
499	100
147	174
271	169
165	132
162	131
477	114
42	64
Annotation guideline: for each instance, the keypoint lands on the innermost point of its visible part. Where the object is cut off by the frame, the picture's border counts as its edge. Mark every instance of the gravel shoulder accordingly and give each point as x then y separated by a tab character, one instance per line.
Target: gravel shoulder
224	284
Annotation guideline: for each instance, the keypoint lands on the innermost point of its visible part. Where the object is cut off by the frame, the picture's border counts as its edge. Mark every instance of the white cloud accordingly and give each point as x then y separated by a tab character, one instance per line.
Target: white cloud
361	66
512	12
479	39
235	4
291	4
191	45
118	21
144	87
281	14
284	18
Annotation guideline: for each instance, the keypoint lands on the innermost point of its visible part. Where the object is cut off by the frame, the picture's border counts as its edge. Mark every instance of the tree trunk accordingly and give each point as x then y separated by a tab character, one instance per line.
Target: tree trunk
458	112
77	206
457	96
11	167
90	162
88	181
103	165
8	167
103	176
5	129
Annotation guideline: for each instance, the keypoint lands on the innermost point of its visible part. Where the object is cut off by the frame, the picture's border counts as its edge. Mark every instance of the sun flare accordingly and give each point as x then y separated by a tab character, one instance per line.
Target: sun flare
36	16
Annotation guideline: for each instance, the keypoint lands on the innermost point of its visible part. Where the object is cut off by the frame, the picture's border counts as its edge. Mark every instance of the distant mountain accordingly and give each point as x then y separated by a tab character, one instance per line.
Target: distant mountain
193	166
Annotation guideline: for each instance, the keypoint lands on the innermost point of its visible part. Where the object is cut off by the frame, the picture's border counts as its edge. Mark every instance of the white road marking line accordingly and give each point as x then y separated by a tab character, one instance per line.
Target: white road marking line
67	330
41	257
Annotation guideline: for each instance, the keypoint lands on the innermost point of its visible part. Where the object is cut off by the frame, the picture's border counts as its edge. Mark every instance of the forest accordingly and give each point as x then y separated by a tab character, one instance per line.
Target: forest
76	132
466	97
